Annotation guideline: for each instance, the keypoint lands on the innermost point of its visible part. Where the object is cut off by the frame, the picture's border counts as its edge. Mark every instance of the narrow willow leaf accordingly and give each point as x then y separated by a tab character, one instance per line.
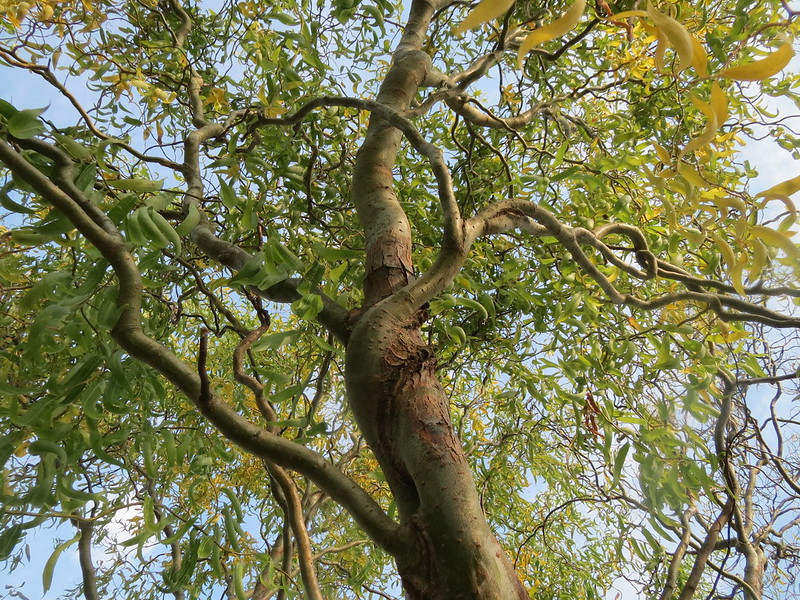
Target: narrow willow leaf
557	28
776	239
661	50
50	565
695	236
485	11
725	251
676	33
692	175
699	56
736	274
761	69
734	267
190	222
25	124
719	104
619	462
626	14
710	130
662	153
136	185
783	190
759	260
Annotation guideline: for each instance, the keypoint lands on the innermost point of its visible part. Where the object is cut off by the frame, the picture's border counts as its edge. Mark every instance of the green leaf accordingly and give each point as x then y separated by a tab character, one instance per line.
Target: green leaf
619	463
9	539
50	565
25	124
136	185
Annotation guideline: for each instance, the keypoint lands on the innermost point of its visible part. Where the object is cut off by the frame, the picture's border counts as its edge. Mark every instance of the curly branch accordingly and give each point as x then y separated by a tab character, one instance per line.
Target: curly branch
527	216
129	335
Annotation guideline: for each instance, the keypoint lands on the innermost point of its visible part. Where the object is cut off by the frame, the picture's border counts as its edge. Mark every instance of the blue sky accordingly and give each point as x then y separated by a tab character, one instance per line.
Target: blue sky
25	90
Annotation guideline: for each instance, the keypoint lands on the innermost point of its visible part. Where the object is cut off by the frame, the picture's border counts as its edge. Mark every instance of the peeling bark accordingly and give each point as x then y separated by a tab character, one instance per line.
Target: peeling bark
404	414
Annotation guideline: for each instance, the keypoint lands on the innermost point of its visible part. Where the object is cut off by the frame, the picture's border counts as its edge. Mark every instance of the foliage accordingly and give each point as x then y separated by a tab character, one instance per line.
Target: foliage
617	340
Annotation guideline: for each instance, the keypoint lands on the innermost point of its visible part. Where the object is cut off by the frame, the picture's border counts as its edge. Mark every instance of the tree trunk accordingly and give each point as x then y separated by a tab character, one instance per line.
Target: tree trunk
397	401
404	415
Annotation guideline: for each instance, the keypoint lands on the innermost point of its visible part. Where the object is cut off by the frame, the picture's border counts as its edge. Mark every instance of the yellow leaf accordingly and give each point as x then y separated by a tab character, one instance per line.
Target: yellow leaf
719	104
782	190
677	34
736	274
557	28
725	251
734	267
692	175
22	449
774	238
695	236
709	132
662	153
759	260
699	56
139	83
761	69
485	11
661	49
626	14
45	13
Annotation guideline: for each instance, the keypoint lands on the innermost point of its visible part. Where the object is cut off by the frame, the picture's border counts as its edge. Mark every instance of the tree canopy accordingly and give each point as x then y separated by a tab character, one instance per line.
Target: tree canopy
400	298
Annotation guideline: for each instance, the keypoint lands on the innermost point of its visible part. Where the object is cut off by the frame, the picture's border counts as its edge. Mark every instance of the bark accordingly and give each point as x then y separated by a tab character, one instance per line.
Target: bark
404	414
395	396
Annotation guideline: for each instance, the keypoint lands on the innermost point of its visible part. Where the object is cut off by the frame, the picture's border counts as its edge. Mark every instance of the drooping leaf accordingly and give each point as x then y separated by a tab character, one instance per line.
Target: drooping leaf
677	35
776	239
719	104
485	11
764	68
564	24
699	57
781	190
710	130
26	124
50	565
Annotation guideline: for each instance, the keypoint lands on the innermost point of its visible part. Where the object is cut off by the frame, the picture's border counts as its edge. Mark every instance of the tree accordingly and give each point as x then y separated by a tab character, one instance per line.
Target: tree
326	299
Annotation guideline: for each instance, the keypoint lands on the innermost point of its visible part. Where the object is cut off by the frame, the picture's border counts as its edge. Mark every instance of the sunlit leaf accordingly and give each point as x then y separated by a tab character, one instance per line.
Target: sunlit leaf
699	57
759	260
564	24
676	33
710	130
764	68
781	190
719	104
776	239
485	11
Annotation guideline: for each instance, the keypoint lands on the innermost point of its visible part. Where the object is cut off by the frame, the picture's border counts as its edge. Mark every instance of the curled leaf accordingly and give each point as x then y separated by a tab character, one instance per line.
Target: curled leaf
699	57
761	69
557	28
710	130
676	33
485	11
719	104
759	260
626	14
782	190
772	237
734	267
